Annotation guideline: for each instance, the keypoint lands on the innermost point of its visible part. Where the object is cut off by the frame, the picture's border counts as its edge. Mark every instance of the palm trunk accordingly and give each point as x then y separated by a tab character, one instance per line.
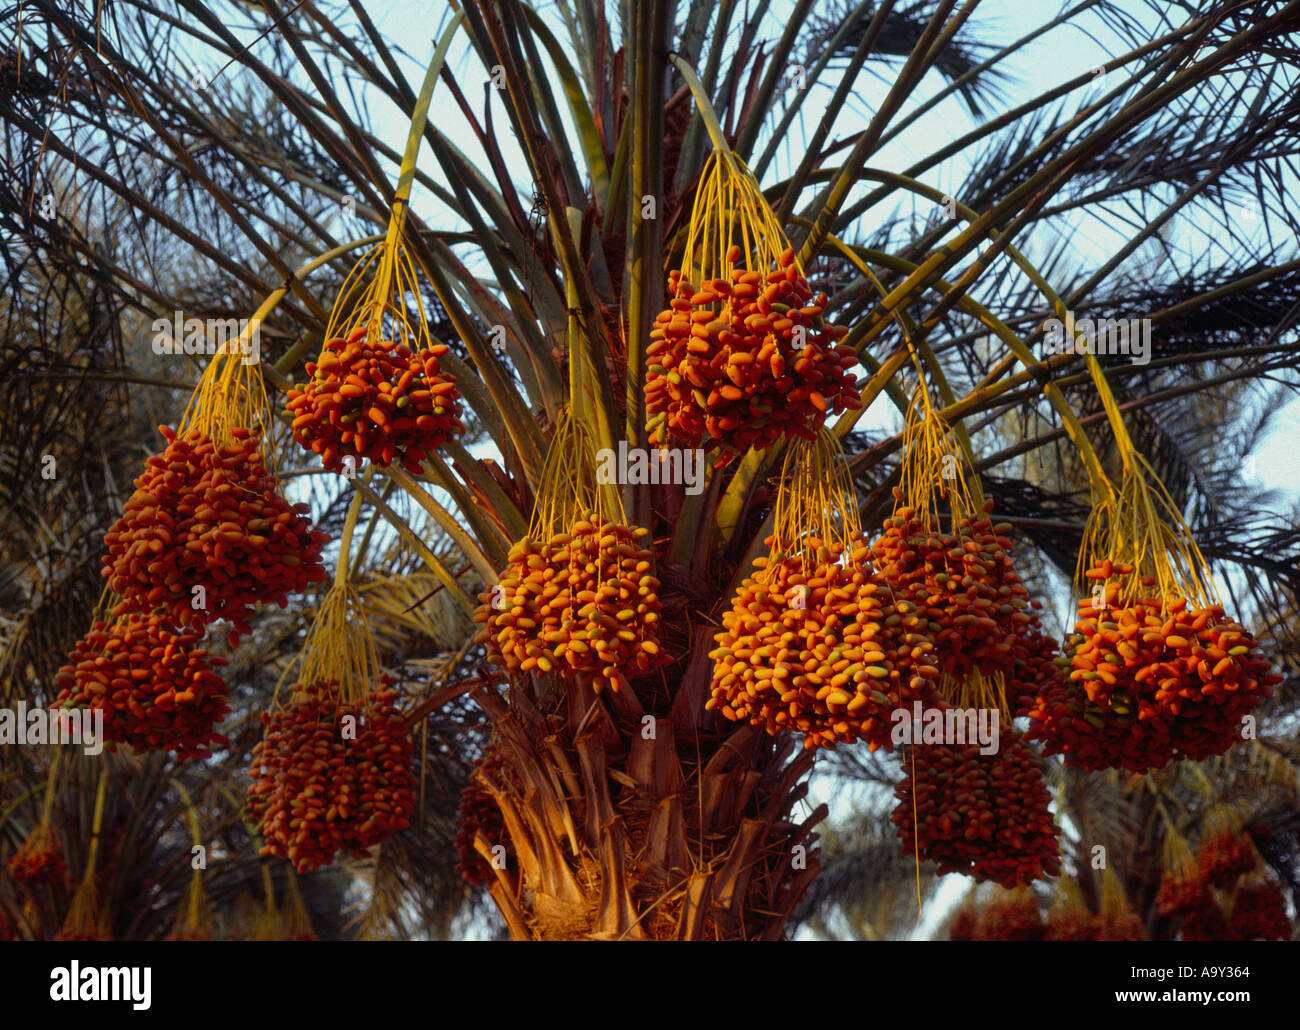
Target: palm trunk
626	823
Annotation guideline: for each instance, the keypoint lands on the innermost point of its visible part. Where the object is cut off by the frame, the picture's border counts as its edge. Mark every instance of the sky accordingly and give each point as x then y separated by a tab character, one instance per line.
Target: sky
1058	56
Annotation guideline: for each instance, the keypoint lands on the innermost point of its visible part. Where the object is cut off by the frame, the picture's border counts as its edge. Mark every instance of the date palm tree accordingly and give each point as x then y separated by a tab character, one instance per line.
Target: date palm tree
226	159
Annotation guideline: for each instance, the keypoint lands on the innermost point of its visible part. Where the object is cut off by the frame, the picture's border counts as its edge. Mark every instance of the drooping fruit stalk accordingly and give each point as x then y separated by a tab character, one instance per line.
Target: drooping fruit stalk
333	772
1151	679
960	578
985	815
742	356
1157	672
1225	858
193	916
40	860
1259	912
745	362
154	685
1012	916
1116	920
578	598
331	776
375	401
207	534
814	641
822	652
84	920
478	821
